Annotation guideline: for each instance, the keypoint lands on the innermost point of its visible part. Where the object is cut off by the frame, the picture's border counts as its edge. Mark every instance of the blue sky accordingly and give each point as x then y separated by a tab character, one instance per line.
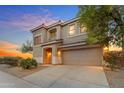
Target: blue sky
16	21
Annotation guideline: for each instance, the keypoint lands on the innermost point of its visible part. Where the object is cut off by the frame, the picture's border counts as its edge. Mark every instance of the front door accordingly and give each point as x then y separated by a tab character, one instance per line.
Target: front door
48	56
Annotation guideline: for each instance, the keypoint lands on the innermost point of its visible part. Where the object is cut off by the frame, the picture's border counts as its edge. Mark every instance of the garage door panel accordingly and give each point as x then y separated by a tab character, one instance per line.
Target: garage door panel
83	56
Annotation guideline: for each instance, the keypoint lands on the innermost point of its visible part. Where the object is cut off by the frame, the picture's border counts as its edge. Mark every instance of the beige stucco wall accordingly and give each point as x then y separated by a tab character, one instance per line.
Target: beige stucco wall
37	53
37	32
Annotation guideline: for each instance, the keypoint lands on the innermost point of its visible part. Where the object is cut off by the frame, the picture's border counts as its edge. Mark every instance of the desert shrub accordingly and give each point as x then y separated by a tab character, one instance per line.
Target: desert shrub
34	63
1	60
120	60
111	58
28	63
14	61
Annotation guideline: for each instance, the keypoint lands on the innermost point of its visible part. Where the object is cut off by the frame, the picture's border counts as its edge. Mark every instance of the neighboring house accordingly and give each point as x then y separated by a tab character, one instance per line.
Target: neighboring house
64	43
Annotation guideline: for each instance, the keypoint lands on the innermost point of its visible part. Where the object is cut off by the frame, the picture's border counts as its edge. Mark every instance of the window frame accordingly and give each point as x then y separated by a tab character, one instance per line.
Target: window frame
77	33
36	41
80	28
53	34
49	34
71	30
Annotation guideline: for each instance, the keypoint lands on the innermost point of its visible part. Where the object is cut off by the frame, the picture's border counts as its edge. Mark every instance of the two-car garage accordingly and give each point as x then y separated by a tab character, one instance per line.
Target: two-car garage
83	56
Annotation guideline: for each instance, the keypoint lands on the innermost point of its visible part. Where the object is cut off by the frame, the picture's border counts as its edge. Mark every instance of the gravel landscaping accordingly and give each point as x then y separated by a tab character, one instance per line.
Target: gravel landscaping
115	78
18	71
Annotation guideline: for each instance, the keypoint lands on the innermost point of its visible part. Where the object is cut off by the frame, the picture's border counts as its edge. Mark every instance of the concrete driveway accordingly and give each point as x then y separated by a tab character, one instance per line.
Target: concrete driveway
9	81
68	76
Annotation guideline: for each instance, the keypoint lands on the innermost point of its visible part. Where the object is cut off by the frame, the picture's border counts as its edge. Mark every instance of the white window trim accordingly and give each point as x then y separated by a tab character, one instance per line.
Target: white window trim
68	29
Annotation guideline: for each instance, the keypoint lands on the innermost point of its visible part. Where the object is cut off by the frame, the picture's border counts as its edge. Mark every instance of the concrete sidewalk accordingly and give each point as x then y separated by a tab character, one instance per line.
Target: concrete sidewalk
67	76
9	81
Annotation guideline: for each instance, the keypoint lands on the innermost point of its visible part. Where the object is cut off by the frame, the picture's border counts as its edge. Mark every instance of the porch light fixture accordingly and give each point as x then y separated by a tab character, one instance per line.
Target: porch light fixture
49	54
59	53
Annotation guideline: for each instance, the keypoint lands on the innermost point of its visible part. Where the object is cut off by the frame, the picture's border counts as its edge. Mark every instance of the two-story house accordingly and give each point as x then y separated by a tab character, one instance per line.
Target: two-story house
64	43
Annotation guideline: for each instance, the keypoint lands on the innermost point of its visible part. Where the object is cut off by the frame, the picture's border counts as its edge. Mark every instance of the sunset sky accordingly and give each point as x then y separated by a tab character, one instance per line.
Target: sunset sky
16	22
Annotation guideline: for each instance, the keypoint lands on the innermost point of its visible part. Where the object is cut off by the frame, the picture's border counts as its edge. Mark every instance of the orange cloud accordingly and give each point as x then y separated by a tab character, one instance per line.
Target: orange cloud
9	49
15	53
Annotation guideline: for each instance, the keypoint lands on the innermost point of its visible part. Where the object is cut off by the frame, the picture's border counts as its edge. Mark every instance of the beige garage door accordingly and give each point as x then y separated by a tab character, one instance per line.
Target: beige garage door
92	56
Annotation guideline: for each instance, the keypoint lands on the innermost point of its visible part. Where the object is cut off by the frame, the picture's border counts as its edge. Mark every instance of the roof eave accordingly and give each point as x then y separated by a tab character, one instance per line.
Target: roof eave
54	24
37	28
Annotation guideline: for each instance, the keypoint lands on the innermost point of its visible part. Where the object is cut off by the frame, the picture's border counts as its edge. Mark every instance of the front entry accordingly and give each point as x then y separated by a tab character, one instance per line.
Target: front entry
48	56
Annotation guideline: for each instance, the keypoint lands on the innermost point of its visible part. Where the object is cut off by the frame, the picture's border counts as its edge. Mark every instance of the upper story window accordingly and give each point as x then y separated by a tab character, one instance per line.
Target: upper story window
83	29
52	34
37	40
71	30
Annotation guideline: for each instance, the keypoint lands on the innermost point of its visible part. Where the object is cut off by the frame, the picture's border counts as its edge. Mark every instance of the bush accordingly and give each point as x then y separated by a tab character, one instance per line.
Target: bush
120	60
1	60
28	63
111	58
14	61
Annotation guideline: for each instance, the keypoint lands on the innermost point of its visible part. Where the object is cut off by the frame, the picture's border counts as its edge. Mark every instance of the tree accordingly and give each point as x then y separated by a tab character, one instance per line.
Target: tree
27	46
104	24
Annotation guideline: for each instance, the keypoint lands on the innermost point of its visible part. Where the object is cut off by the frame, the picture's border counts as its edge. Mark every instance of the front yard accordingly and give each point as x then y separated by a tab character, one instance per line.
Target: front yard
18	71
114	68
19	67
115	78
